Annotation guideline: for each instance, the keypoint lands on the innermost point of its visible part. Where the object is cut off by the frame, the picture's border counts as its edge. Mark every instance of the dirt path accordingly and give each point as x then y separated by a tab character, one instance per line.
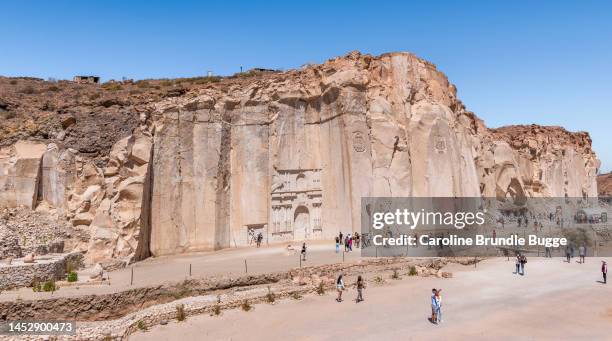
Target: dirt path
228	262
555	300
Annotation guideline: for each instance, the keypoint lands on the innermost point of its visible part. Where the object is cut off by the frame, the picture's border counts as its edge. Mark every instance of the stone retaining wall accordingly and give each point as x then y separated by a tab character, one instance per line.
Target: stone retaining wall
20	274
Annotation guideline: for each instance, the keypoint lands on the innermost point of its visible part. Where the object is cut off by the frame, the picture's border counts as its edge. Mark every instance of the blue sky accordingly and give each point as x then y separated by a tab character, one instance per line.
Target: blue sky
518	62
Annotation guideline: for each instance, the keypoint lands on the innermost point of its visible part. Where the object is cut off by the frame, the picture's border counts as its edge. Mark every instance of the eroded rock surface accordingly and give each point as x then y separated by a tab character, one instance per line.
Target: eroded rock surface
287	154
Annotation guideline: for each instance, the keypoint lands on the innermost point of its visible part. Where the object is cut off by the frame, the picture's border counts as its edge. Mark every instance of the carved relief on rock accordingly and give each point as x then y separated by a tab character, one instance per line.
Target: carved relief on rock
295	212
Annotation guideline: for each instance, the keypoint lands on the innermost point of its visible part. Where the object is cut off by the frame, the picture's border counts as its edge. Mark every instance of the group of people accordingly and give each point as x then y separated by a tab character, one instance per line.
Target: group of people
569	253
521	260
360	285
348	241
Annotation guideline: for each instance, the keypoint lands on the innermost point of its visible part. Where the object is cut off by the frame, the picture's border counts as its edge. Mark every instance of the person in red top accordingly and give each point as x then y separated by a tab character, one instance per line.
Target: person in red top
604	270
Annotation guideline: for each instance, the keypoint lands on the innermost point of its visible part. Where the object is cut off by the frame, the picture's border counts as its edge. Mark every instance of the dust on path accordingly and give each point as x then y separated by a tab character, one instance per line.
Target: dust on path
555	300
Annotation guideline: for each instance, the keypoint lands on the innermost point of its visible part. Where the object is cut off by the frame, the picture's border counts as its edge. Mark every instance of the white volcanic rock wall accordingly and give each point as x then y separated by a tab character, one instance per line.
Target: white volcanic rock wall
290	155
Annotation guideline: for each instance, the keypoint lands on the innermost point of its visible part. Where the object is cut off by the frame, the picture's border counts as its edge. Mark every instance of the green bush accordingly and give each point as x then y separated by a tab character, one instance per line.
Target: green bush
413	271
72	277
142	325
49	286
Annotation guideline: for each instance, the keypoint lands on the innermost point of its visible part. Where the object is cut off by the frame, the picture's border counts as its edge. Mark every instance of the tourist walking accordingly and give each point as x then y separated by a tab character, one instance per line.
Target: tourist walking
604	271
438	306
259	239
582	253
523	261
360	287
339	287
350	242
547	253
518	263
568	254
434	306
357	237
337	244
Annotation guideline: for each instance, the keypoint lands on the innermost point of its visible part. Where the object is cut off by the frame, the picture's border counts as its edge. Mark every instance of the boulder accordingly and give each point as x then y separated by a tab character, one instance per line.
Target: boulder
29	258
96	272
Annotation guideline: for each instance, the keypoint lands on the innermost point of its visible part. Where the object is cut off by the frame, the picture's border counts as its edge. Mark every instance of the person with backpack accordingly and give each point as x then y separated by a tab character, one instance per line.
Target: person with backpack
339	287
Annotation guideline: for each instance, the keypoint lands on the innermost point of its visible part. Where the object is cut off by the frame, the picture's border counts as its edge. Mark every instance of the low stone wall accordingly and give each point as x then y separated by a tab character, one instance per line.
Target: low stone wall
52	266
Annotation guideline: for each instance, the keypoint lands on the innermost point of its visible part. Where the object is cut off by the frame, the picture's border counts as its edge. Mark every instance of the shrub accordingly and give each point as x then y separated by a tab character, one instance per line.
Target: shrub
270	297
296	295
246	306
395	274
143	84
216	310
94	96
321	288
180	312
53	88
379	280
72	277
112	86
413	271
142	325
49	286
36	286
28	90
13	82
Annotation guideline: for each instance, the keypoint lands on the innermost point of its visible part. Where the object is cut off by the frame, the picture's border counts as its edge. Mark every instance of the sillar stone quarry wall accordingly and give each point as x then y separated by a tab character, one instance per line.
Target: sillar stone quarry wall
290	155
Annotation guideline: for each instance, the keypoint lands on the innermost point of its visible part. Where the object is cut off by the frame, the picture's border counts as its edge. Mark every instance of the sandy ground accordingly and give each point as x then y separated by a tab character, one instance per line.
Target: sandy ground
553	301
176	268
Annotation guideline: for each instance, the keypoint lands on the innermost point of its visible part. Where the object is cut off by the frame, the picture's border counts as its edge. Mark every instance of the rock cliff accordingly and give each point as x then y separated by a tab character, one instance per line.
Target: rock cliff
289	155
604	184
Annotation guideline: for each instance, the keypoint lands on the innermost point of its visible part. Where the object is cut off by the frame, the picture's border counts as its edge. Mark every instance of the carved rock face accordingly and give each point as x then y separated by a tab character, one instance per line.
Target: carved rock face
289	155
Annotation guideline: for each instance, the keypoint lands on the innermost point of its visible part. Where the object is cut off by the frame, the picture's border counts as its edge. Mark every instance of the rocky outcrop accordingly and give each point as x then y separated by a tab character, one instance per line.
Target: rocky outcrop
290	155
20	166
548	161
604	184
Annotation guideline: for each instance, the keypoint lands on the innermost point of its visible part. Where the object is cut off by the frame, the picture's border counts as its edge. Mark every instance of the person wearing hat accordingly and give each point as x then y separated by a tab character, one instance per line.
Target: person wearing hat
604	270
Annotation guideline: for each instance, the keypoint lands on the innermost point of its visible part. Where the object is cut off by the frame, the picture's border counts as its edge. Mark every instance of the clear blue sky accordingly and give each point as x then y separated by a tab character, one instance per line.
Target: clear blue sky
514	62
